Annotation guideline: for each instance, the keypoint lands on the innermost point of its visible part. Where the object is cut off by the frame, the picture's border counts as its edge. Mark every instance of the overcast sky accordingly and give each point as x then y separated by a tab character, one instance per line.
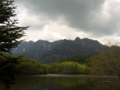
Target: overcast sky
66	19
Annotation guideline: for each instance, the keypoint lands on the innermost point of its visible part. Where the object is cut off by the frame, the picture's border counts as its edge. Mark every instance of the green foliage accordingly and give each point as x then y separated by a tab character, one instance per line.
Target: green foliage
25	66
46	58
68	68
107	63
45	89
12	66
32	67
8	69
10	35
9	31
79	59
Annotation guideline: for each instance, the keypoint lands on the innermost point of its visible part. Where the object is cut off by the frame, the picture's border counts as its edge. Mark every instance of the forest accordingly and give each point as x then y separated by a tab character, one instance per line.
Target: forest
32	67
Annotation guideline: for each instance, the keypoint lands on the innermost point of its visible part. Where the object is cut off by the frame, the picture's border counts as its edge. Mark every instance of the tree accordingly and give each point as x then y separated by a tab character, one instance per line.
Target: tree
8	70
10	35
107	63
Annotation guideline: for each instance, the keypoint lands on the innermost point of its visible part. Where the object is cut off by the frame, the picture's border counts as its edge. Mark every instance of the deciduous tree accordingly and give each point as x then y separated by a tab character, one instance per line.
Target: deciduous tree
107	63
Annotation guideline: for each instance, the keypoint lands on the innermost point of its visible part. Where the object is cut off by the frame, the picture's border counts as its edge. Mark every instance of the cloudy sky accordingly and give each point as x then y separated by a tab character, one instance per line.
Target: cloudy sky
66	19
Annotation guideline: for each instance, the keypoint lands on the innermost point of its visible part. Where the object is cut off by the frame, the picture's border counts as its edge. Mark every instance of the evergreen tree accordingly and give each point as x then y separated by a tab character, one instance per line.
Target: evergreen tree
10	35
8	70
9	31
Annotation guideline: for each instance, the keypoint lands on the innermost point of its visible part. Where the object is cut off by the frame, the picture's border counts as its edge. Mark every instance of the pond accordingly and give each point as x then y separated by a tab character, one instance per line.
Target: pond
61	82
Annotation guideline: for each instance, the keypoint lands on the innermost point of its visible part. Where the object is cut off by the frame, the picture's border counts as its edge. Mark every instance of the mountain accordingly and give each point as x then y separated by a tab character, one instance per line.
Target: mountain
48	52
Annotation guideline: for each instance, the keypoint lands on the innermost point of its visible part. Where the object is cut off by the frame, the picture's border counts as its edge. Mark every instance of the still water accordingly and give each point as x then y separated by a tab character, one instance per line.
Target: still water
60	82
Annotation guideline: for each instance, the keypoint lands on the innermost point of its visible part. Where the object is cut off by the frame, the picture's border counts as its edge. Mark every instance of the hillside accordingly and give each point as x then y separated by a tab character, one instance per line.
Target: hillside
80	59
49	52
25	66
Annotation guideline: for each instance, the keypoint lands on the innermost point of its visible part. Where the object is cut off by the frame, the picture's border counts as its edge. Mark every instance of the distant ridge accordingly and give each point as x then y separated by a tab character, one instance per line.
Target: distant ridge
49	52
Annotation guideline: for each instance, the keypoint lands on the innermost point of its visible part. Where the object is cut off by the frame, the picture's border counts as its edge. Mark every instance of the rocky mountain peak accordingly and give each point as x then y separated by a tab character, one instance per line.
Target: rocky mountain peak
48	52
77	39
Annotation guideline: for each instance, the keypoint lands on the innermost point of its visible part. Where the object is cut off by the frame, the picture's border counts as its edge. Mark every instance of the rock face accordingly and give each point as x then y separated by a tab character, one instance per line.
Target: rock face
48	52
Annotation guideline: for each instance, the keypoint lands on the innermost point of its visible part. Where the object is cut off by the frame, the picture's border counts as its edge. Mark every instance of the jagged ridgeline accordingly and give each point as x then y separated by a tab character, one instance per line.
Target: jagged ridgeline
49	52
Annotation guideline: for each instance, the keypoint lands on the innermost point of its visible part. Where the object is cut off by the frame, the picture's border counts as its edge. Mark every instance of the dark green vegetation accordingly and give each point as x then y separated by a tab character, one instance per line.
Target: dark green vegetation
9	31
8	69
25	66
80	59
107	63
11	66
73	65
10	35
32	67
49	52
68	68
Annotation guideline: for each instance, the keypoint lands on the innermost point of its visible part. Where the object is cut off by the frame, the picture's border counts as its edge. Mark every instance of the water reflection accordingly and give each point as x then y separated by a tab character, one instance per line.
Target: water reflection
103	83
64	82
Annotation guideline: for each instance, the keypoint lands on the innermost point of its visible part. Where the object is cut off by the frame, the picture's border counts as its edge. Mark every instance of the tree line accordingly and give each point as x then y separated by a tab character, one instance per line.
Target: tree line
32	67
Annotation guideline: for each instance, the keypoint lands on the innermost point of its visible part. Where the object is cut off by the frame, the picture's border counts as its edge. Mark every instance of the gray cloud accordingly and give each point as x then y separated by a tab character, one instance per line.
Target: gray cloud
86	15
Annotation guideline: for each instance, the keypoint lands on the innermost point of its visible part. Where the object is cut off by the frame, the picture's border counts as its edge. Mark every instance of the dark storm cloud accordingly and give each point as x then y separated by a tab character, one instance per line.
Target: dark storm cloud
85	15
